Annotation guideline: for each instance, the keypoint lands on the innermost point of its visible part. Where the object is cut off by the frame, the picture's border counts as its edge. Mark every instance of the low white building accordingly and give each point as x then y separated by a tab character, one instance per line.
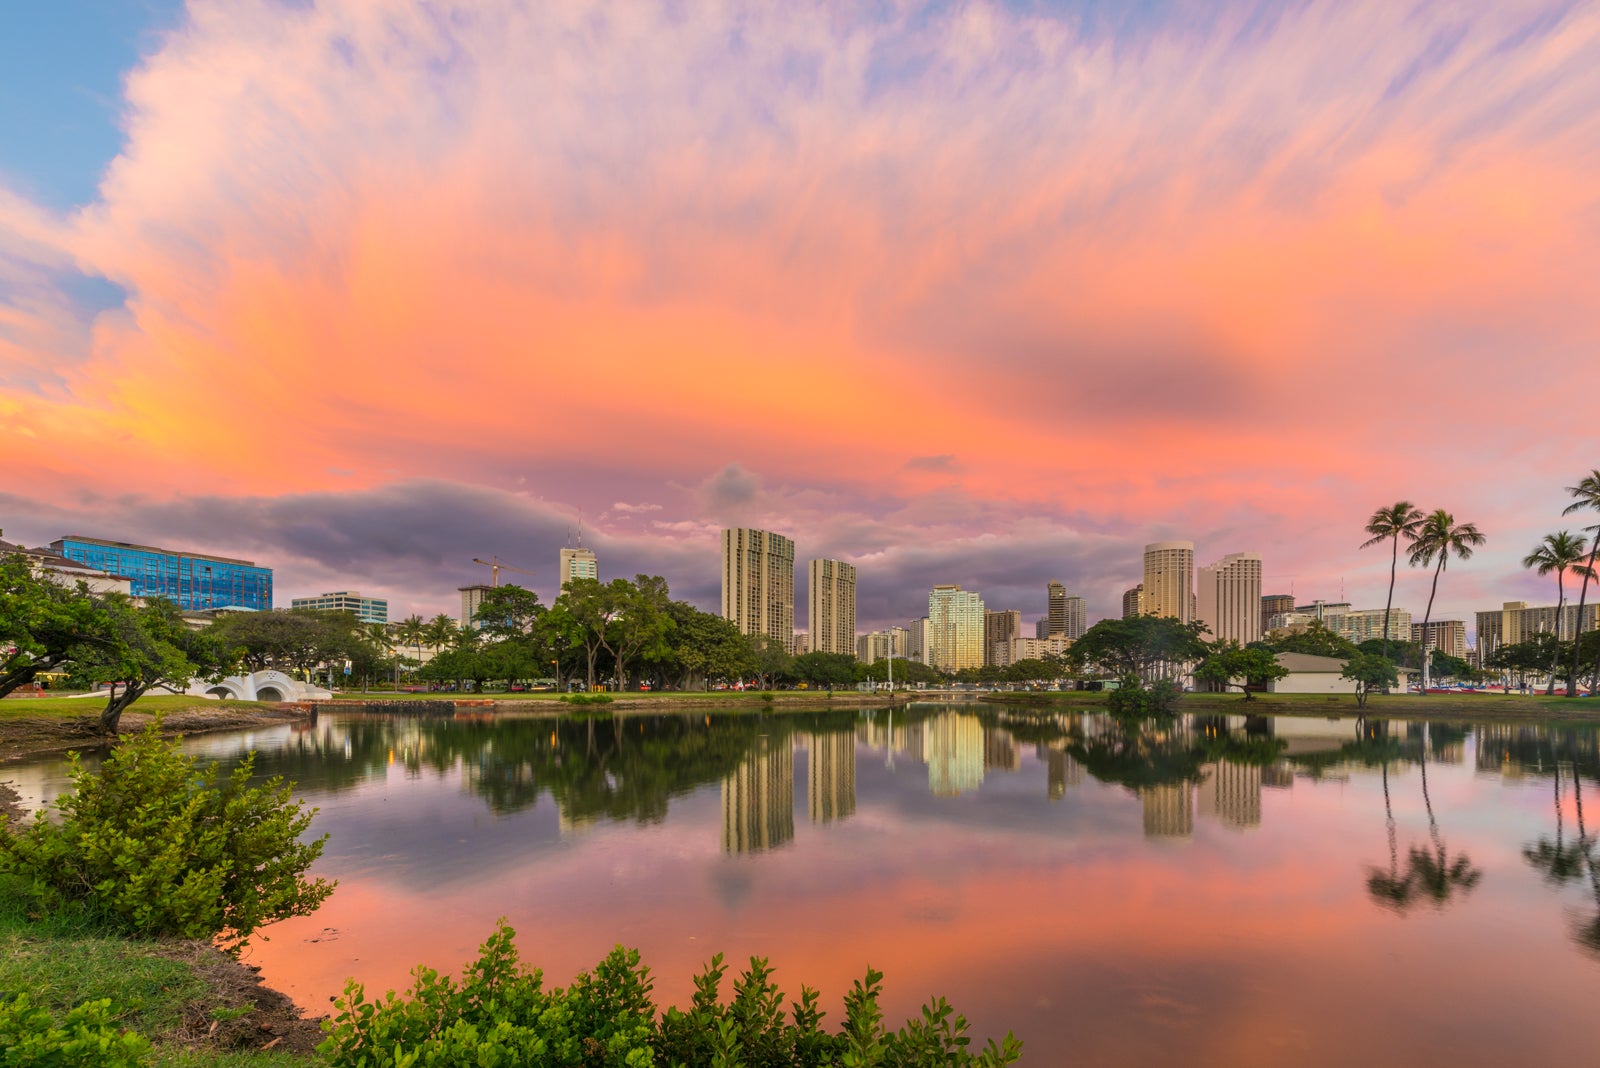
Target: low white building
1310	674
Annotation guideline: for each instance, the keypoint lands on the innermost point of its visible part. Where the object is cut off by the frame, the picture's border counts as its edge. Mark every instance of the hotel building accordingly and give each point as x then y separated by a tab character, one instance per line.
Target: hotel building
1133	602
1169	580
1447	635
758	583
998	627
1228	598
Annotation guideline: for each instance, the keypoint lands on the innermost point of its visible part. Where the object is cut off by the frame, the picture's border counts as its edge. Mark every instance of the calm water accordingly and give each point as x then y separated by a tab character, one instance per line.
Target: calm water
1223	892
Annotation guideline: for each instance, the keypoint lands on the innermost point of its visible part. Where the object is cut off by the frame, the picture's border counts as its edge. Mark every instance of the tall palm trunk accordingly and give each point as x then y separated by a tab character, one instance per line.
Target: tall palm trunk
1394	565
1561	601
1577	637
1426	617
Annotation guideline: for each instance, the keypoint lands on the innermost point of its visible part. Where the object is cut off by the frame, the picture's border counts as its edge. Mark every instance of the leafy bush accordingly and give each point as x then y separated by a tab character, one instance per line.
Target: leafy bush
500	1014
587	698
86	1038
1133	698
149	844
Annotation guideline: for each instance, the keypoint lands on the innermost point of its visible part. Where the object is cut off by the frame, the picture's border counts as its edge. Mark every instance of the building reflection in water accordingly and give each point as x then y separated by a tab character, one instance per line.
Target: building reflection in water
1231	792
1168	810
1061	769
831	776
952	747
758	798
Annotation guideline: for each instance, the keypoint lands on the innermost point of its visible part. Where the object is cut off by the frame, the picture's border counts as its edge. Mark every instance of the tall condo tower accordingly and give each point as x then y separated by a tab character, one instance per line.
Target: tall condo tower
1169	579
833	606
955	628
1077	617
1056	594
1229	598
999	628
1132	602
758	583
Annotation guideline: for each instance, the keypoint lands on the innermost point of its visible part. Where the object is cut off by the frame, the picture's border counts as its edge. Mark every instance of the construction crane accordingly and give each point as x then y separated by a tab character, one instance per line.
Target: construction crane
494	565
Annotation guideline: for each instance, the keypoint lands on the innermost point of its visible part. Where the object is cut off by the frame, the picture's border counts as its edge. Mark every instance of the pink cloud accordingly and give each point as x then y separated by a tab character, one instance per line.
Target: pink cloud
1240	279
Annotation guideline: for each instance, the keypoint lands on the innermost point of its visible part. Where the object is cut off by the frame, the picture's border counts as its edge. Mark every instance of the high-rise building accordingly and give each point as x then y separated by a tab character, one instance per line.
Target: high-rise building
880	644
1006	653
1169	580
1229	598
1056	602
471	598
1516	622
1041	627
999	626
758	583
1133	602
1446	635
1077	617
192	581
955	628
758	798
832	589
366	609
831	776
918	640
1364	624
1274	603
579	563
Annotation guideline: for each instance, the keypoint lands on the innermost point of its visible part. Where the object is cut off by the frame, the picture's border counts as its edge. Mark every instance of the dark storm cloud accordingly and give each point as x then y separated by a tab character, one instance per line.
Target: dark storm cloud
732	487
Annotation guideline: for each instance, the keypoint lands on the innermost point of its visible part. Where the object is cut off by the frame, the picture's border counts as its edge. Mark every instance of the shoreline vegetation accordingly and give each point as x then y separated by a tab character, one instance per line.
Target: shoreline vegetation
38	726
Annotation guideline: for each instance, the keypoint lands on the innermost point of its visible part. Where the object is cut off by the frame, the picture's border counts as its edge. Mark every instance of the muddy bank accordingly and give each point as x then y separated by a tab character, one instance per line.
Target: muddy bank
237	1012
28	736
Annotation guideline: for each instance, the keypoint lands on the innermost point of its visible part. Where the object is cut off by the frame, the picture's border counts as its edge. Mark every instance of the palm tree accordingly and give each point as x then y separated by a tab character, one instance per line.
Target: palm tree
1586	494
1559	552
1439	537
1400	519
441	631
413	631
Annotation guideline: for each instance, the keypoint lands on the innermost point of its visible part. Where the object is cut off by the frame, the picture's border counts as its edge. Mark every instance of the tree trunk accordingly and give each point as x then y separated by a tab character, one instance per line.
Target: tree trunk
1394	564
1426	617
1583	593
1555	659
117	704
23	675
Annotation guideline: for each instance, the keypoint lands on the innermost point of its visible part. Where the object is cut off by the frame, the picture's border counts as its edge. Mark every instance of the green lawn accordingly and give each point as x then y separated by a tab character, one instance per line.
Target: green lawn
62	962
69	707
1396	706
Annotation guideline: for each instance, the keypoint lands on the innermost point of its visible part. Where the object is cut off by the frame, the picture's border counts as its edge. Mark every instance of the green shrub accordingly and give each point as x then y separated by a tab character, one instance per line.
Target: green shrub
587	698
86	1037
1133	698
500	1014
148	844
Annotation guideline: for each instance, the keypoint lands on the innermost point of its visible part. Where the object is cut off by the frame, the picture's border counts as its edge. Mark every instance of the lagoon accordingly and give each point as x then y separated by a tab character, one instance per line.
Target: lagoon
1219	890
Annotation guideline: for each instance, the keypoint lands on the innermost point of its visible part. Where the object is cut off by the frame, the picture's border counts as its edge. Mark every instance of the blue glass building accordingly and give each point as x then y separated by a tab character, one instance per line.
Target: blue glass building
192	581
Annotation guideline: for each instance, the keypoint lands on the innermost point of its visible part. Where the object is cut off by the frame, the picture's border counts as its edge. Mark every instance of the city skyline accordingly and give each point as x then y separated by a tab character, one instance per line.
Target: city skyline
1140	259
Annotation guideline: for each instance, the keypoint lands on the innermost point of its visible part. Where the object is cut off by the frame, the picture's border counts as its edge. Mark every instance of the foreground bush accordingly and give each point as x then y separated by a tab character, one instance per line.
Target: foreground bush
86	1037
499	1014
150	845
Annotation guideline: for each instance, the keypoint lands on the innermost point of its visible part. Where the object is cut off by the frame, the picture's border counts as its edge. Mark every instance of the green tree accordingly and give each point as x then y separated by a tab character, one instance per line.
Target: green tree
508	611
825	669
640	625
1370	672
1405	654
1438	539
42	622
1230	665
1315	640
1140	646
772	660
148	646
1585	496
441	632
591	607
705	648
1399	520
1560	552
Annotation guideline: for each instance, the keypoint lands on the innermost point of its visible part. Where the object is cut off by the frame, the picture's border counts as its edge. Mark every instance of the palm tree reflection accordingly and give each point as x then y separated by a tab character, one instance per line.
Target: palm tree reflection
1432	873
1561	863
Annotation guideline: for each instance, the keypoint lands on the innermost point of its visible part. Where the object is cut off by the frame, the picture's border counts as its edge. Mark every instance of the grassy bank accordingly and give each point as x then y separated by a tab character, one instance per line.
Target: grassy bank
1390	706
201	1008
77	707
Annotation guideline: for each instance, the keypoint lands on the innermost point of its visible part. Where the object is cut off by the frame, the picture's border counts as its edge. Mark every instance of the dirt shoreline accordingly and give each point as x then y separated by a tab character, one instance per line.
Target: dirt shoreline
30	736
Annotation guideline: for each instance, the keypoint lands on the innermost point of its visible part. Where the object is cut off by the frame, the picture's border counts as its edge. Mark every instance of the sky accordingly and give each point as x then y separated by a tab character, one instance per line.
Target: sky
981	293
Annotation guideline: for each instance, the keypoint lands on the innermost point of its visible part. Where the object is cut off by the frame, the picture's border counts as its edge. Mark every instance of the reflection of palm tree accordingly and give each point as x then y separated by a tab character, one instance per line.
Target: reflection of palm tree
1561	864
1430	873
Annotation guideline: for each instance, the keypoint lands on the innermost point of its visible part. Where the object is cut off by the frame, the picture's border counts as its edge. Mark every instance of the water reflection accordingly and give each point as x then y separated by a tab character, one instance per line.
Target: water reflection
1117	891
